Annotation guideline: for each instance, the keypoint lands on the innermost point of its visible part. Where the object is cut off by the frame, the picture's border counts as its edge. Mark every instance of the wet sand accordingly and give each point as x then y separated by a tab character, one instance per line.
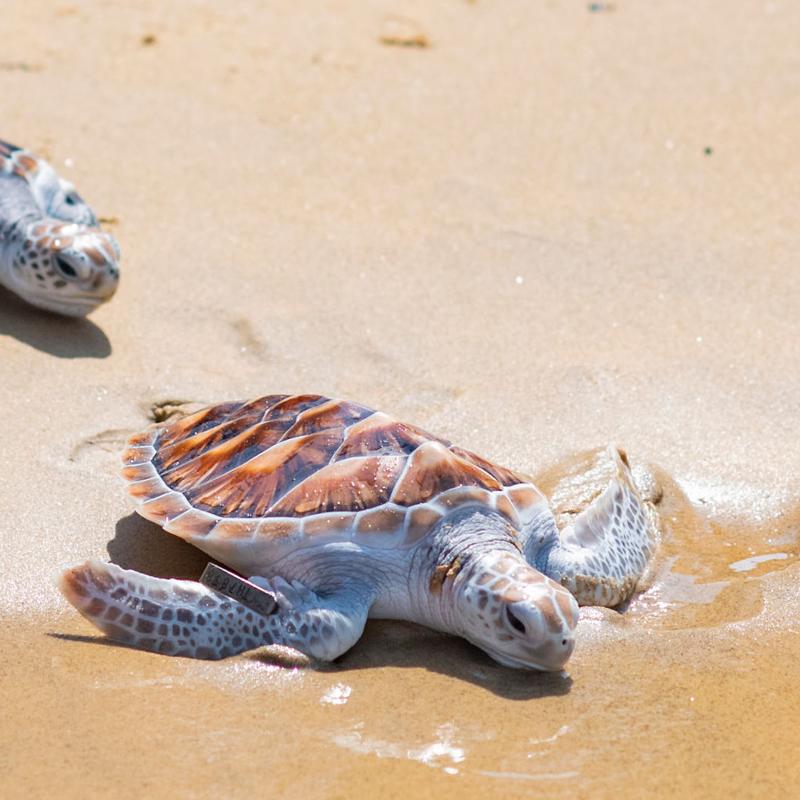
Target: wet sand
549	229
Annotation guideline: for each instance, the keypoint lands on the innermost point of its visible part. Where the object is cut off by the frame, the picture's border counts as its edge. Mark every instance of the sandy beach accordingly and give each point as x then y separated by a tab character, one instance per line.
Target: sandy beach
532	228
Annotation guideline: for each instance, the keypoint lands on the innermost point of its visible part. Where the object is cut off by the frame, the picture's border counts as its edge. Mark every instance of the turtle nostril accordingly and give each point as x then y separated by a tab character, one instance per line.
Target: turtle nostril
65	268
515	621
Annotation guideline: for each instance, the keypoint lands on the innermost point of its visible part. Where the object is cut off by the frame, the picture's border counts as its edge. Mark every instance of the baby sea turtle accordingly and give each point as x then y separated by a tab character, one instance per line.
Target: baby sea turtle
52	252
345	513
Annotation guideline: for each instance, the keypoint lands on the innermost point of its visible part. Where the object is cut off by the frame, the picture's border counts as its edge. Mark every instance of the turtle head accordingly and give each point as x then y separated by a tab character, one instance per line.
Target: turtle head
516	614
63	267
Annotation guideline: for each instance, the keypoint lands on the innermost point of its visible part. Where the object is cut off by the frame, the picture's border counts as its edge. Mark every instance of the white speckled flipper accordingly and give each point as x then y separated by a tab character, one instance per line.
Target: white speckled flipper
186	618
55	196
604	551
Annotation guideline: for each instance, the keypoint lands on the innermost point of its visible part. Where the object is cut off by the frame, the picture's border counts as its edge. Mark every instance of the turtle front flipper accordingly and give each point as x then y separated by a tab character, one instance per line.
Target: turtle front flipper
56	197
186	618
603	550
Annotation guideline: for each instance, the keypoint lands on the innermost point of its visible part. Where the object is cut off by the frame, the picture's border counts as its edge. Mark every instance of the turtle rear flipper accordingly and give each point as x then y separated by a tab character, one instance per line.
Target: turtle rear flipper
186	618
604	550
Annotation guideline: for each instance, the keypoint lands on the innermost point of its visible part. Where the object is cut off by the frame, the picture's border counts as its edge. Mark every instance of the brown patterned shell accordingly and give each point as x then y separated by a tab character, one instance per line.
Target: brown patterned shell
305	466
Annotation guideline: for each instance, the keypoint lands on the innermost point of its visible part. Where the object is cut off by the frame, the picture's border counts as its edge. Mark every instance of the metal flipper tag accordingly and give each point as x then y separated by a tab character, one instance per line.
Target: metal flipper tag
237	588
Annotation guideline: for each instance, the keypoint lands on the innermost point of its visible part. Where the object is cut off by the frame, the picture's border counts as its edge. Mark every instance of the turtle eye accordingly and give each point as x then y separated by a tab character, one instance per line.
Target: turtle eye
72	198
65	268
515	621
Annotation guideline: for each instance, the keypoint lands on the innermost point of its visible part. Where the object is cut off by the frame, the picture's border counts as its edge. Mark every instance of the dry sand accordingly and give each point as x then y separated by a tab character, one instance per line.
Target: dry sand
549	229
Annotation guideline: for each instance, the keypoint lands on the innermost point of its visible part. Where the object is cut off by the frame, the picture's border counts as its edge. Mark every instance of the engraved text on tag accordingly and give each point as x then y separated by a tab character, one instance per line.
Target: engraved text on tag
237	588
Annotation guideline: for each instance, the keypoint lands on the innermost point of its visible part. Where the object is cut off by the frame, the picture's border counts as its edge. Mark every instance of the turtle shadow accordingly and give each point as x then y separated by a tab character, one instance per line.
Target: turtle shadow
142	545
100	640
63	337
433	652
409	646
